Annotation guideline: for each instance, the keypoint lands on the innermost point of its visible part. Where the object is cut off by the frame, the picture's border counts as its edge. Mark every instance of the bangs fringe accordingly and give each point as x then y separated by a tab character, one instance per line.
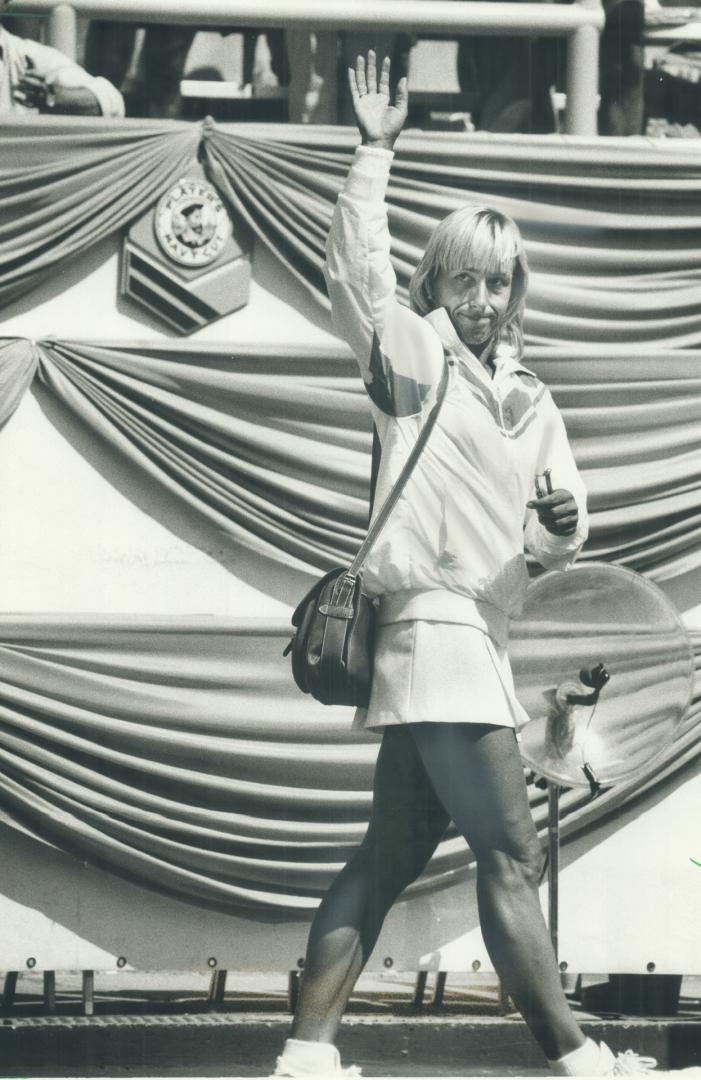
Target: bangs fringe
481	241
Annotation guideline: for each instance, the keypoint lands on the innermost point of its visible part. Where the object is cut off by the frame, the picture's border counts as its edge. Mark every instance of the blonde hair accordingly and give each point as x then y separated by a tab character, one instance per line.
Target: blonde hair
476	236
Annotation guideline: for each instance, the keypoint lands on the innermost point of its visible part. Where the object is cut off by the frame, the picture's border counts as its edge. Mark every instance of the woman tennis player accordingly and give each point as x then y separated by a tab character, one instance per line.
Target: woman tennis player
448	570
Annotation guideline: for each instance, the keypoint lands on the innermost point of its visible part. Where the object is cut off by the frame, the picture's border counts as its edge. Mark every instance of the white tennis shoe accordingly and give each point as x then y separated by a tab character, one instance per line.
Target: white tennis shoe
302	1058
601	1061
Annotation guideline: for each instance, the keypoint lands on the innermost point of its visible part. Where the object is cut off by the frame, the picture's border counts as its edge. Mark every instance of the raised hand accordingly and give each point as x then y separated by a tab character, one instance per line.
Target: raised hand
379	122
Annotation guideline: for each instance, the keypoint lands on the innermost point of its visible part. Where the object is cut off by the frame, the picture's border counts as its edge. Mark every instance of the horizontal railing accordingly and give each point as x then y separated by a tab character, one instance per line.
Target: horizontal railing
580	23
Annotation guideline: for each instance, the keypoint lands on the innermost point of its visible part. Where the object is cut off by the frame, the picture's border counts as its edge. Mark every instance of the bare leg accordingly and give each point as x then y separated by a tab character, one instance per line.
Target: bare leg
476	771
407	823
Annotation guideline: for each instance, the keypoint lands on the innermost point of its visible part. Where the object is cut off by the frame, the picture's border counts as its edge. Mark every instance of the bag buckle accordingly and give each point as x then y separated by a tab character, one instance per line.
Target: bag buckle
336	611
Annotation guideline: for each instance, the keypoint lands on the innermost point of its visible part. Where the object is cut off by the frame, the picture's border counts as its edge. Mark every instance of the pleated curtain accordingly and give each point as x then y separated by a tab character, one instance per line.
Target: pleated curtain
179	753
612	227
235	437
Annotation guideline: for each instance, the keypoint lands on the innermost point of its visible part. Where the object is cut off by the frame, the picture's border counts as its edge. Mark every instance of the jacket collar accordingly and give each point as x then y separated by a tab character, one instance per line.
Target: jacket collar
504	357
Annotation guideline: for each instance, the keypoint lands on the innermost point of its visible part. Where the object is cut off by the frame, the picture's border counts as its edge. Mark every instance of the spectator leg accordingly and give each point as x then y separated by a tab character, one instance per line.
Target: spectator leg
161	67
313	87
278	56
108	49
621	70
250	37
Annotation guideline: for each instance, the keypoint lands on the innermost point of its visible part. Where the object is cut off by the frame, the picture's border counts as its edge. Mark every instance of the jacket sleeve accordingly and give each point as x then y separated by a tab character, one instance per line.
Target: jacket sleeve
57	69
399	354
554	453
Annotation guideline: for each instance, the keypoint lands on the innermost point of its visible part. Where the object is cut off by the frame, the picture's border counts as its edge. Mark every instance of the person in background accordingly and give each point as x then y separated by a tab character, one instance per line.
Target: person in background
38	78
153	90
24	26
622	68
514	75
313	84
109	49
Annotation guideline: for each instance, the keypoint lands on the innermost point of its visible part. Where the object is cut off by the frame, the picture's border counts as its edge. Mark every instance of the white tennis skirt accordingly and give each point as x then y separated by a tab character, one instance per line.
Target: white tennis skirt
441	673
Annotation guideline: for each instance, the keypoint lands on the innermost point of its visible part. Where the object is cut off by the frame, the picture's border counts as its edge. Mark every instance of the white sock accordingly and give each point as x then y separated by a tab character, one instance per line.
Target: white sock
584	1061
315	1056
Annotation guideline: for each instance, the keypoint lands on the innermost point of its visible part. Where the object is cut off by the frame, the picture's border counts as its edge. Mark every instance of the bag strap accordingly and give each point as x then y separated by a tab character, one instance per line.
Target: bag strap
399	484
374	469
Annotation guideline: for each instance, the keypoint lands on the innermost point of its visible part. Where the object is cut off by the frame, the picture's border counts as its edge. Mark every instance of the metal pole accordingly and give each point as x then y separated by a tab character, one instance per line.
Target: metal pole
439	990
420	989
553	861
88	993
8	993
50	991
292	990
217	988
63	30
582	77
454	16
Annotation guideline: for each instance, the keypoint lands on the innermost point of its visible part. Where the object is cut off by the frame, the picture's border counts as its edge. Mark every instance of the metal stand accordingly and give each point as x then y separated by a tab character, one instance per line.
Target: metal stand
420	989
8	993
50	991
553	861
439	989
292	990
217	989
506	1005
88	993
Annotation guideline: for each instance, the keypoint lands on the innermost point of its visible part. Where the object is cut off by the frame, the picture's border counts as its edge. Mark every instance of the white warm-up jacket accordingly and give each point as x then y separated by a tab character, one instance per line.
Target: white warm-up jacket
453	548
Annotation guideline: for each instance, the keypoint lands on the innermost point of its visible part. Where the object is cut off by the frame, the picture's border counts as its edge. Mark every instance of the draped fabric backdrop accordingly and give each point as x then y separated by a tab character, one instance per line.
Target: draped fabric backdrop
612	228
236	436
181	755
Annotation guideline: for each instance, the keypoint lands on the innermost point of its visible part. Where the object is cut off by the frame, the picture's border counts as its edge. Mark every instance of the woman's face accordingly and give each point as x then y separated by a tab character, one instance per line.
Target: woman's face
474	299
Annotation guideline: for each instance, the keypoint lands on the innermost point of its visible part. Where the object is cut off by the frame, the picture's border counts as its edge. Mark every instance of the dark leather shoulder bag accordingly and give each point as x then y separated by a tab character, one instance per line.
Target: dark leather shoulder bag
333	642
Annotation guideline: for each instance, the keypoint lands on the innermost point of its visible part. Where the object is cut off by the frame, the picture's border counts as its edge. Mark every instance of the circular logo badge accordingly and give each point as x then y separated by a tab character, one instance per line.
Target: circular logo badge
191	223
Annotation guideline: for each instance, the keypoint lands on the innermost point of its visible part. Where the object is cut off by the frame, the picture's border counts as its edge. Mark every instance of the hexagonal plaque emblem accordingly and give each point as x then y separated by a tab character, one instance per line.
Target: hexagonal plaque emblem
186	260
